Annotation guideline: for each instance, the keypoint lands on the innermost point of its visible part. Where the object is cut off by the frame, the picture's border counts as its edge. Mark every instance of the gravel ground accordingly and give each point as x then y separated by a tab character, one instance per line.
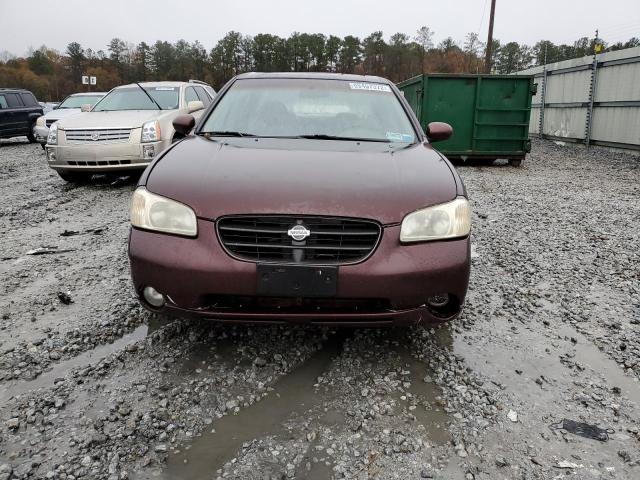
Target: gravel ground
92	386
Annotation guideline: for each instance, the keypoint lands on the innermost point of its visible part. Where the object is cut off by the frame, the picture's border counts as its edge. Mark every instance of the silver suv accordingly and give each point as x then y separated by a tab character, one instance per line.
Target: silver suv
125	130
69	106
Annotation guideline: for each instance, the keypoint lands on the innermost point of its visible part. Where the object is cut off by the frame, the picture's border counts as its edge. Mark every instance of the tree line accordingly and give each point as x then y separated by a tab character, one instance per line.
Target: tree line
52	75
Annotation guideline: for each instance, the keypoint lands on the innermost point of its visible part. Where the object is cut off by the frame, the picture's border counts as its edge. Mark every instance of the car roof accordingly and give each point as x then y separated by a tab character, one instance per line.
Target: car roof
88	94
7	90
156	84
316	76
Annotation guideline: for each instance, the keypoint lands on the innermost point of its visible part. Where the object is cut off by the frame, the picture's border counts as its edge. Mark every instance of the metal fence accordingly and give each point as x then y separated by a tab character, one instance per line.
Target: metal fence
591	100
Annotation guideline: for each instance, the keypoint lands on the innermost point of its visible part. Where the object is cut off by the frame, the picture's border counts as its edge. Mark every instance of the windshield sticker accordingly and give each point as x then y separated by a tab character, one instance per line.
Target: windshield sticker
374	87
399	137
165	89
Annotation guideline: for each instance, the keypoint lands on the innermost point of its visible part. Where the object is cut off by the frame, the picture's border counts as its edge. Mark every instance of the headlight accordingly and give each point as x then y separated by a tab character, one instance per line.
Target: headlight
153	212
448	220
150	132
40	121
52	139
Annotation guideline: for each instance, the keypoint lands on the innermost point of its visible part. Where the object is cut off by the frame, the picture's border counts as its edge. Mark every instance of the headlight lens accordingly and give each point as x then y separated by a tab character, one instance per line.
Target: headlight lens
153	212
448	220
40	121
150	132
52	139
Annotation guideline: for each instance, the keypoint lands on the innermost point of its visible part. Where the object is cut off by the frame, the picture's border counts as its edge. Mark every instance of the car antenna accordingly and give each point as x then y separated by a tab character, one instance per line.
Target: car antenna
147	94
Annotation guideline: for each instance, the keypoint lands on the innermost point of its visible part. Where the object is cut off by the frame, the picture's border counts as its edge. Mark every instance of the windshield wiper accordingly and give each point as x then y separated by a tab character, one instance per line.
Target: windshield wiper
324	136
150	97
228	133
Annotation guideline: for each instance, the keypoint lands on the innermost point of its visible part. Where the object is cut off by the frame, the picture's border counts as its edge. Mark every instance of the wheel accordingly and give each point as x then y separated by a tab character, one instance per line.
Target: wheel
515	162
31	137
75	177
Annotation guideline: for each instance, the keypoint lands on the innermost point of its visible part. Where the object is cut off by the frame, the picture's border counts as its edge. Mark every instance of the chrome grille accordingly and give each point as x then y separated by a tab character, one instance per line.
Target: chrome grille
118	135
265	239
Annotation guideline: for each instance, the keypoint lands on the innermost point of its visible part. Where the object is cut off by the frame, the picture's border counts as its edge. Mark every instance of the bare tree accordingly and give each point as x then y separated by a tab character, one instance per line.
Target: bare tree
424	38
473	47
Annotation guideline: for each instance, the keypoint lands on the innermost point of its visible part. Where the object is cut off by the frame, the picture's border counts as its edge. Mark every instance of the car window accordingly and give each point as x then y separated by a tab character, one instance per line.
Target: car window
292	107
3	102
78	100
13	100
29	100
210	91
134	98
203	96
190	95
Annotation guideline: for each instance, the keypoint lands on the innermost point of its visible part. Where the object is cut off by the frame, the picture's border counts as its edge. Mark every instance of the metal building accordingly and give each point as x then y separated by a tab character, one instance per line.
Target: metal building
592	100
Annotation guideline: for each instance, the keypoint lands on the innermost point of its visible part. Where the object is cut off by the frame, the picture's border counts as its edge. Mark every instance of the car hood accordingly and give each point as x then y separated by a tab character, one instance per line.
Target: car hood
61	113
119	119
303	177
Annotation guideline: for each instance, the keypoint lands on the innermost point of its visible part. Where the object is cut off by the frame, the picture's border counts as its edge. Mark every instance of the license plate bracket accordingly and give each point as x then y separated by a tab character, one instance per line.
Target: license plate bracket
296	280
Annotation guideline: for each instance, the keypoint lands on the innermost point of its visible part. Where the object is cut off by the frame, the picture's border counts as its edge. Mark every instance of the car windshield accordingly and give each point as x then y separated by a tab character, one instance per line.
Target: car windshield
311	108
78	100
133	98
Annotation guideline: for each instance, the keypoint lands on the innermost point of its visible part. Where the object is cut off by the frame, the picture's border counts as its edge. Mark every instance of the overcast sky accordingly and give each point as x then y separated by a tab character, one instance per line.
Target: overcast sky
93	23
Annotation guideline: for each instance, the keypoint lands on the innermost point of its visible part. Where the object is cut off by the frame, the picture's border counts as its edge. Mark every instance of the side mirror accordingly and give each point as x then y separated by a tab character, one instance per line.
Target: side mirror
438	131
183	124
194	105
85	107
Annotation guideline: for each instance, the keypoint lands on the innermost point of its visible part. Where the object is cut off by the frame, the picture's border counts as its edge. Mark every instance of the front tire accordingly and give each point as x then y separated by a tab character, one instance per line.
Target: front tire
31	137
75	177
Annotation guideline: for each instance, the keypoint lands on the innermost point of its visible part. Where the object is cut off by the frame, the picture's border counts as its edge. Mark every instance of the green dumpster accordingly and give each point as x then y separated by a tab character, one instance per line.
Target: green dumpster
489	113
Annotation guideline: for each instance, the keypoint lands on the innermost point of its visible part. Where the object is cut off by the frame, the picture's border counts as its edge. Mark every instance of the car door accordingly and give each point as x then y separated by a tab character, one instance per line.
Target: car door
32	109
18	121
5	115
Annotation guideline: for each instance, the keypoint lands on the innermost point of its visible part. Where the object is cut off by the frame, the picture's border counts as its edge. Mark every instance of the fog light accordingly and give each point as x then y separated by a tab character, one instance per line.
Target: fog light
148	151
153	297
438	300
51	155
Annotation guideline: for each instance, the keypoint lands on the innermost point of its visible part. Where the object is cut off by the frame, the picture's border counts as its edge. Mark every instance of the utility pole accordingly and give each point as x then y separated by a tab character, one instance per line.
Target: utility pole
543	95
592	92
487	60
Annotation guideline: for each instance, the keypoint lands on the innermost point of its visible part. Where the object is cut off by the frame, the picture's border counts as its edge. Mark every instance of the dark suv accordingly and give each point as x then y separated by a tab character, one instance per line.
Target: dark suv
18	113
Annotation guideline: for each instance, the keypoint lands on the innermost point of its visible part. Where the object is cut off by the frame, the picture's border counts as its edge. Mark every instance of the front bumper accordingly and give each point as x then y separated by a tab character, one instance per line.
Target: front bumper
41	133
92	157
194	274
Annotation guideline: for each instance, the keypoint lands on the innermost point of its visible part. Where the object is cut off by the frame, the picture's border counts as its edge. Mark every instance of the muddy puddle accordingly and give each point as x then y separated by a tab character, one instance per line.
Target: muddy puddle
295	400
294	394
433	418
48	378
529	362
589	355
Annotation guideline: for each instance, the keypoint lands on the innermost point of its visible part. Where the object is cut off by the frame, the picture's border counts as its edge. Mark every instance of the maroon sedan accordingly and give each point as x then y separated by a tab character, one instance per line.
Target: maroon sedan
312	198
